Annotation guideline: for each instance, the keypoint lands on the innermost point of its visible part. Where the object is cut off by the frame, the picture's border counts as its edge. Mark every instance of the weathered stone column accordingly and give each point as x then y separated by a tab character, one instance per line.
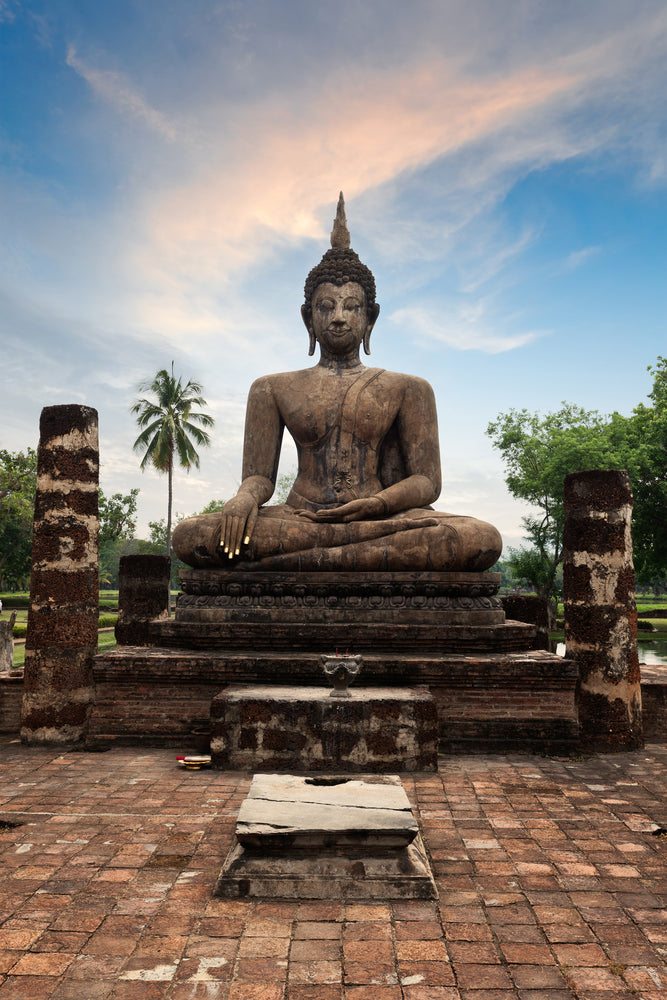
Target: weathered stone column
600	610
61	637
143	594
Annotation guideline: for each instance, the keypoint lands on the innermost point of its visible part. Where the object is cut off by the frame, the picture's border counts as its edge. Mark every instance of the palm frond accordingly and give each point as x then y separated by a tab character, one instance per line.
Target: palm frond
170	423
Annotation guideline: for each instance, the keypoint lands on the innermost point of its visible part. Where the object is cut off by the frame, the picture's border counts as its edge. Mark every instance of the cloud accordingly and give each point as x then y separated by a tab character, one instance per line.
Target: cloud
8	9
467	331
577	258
261	177
121	95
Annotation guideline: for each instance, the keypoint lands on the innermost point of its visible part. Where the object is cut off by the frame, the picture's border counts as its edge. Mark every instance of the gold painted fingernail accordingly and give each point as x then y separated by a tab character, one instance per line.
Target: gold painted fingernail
237	552
246	540
231	555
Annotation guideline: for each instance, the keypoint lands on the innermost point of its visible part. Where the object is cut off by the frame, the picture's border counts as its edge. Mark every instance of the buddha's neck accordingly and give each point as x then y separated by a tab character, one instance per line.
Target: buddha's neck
339	364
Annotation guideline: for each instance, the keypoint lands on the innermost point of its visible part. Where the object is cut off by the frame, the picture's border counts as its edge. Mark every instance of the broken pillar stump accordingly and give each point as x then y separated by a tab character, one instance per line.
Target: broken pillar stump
600	610
61	637
143	594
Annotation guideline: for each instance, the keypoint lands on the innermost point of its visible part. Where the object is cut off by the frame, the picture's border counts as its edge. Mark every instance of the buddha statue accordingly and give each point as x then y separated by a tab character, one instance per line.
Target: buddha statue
368	456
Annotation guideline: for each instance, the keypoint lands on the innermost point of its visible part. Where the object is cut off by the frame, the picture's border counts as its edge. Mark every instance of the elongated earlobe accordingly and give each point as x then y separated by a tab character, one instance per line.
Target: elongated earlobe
307	322
372	317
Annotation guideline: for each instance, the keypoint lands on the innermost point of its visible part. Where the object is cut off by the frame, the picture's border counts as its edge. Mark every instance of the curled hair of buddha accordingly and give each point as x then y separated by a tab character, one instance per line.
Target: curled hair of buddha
339	266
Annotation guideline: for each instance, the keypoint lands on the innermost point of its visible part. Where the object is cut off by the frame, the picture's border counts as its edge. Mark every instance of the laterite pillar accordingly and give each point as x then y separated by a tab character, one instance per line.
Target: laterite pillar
600	610
61	637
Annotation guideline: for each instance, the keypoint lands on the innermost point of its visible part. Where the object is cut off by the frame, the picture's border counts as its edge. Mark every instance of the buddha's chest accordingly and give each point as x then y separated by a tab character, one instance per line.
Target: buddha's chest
363	414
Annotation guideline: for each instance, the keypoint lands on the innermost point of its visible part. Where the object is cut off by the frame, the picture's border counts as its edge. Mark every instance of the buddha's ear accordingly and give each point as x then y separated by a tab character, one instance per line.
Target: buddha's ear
308	324
372	316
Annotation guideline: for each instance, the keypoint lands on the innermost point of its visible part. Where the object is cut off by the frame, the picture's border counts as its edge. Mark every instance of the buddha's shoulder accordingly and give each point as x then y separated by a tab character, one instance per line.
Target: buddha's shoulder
281	380
400	378
411	386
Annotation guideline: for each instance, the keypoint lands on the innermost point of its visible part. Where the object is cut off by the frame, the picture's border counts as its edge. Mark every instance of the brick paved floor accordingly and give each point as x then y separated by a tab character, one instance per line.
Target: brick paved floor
552	885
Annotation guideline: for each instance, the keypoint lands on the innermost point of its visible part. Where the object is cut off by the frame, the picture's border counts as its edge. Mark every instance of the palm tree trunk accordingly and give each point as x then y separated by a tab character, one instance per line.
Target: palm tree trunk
169	500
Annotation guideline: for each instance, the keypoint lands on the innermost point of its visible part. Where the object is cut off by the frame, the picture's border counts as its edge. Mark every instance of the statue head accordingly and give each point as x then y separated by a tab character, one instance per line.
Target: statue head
339	266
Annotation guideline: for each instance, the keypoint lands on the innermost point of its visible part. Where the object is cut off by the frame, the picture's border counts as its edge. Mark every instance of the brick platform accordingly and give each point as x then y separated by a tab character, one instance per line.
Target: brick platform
552	886
484	701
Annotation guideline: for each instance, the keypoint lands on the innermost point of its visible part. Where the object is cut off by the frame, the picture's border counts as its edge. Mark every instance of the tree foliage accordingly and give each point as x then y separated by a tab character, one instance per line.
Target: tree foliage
646	435
538	452
284	487
18	482
117	515
117	526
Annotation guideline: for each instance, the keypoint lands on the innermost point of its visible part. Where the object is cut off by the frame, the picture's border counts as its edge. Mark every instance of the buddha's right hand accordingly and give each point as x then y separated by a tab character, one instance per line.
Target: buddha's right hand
237	521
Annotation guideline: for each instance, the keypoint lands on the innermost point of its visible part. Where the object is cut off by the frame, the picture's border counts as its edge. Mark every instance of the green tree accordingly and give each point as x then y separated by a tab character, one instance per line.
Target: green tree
18	482
117	515
117	525
646	450
538	452
213	506
171	429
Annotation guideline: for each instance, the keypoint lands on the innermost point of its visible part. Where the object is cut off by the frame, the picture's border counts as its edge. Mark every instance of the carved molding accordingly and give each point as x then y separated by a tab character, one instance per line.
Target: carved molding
343	598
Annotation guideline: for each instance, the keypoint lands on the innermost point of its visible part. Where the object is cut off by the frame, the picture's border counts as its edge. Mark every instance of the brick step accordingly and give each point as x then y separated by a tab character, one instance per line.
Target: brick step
358	637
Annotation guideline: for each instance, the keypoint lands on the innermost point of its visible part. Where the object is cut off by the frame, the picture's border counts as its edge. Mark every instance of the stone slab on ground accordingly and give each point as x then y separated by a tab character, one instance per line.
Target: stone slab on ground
285	811
357	840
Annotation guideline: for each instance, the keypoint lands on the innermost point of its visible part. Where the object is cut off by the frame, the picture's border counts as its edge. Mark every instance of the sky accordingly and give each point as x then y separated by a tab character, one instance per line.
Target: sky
169	174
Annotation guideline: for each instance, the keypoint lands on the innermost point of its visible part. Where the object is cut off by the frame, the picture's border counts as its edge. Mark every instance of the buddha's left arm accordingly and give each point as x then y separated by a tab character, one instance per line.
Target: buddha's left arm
417	426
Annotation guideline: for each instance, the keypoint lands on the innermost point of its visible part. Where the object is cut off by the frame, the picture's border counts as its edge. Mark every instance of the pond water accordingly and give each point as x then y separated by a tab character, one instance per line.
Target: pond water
651	651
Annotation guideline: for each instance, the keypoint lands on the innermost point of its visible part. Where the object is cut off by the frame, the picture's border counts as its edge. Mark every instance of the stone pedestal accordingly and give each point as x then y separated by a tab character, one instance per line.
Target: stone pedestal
322	612
494	690
279	728
61	636
600	611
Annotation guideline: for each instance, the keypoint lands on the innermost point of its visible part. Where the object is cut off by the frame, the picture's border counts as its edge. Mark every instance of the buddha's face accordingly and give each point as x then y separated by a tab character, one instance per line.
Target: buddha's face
339	317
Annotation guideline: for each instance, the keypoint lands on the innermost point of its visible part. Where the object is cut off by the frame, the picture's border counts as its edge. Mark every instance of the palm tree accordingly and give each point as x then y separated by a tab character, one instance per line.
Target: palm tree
169	427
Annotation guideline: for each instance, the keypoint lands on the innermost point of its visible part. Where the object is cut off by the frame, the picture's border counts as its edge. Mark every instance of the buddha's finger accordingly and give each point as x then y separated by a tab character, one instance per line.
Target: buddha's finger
230	534
215	539
236	536
250	525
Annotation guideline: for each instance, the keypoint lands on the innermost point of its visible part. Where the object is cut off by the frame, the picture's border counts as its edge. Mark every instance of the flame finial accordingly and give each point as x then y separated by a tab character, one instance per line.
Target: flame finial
340	234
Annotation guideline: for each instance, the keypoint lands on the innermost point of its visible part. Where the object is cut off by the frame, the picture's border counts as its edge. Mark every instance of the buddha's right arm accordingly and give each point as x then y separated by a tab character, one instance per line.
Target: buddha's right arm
261	453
